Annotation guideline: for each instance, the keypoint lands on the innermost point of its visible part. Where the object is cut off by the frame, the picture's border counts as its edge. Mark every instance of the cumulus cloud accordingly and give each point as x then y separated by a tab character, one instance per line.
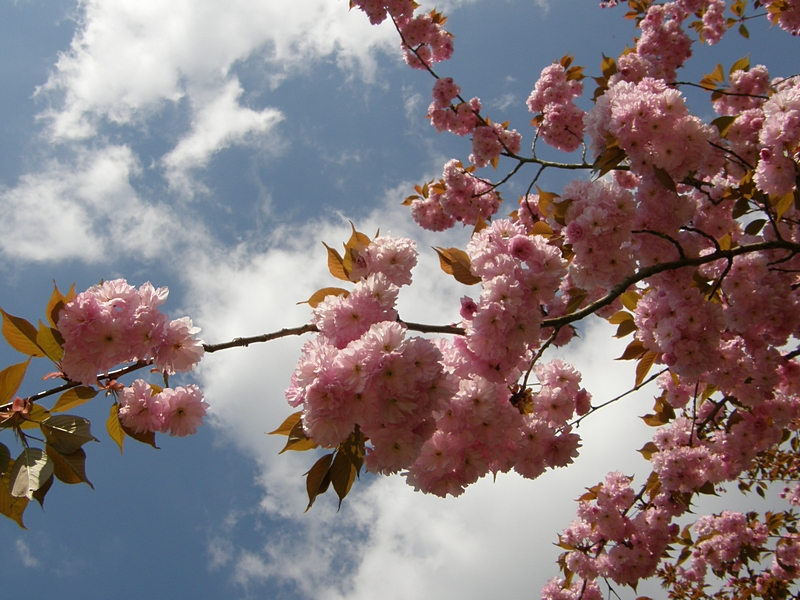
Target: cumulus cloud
218	123
86	208
127	59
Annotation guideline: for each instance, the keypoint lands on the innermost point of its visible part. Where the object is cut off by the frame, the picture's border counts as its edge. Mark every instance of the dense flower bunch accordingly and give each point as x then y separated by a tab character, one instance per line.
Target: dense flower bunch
114	323
458	197
148	409
786	13
561	123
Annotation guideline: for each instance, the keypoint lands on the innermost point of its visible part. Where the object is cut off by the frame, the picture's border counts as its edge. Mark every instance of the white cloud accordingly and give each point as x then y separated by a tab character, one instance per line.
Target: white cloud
128	58
86	208
217	123
25	555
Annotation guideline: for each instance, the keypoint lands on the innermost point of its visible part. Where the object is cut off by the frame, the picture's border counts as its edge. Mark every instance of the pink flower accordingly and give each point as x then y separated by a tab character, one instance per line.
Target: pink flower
183	411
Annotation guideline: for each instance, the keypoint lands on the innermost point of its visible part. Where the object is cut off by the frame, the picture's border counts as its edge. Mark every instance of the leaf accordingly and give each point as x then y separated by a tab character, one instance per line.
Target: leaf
39	494
541	228
633	351
73	397
353	447
69	468
342	474
11	506
114	428
643	368
336	264
67	433
57	302
723	124
21	335
5	458
620	317
358	241
298	440
782	204
318	478
320	295
455	262
148	437
711	80
546	201
625	328
665	179
630	299
744	32
10	380
608	66
51	342
743	64
30	471
648	450
288	424
608	160
576	298
754	227
34	417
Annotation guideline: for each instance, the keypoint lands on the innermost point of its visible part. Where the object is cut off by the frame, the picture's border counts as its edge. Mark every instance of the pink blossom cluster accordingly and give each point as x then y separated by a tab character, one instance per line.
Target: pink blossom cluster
677	321
786	13
651	123
480	430
460	119
466	199
489	141
179	411
519	273
599	222
714	22
581	589
114	323
780	141
383	381
743	91
722	541
662	48
425	41
343	319
553	97
610	540
393	257
377	10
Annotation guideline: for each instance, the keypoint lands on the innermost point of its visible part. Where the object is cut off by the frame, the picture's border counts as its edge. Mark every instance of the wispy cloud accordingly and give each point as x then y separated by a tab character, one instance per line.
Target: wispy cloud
25	554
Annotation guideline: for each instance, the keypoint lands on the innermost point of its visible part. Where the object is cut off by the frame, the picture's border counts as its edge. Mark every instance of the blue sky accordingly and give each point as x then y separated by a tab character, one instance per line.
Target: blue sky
209	147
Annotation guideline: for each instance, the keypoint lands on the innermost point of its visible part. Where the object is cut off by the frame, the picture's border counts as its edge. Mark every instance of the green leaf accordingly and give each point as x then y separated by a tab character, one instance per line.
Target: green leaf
114	428
34	417
67	433
10	380
630	299
744	32
318	478
69	468
21	335
73	397
625	328
30	471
